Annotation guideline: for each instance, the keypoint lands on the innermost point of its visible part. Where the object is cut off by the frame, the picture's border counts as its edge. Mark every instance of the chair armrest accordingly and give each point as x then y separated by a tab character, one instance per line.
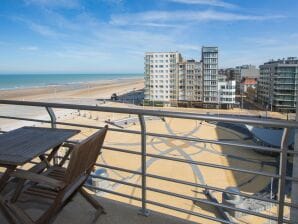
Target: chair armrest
68	144
38	178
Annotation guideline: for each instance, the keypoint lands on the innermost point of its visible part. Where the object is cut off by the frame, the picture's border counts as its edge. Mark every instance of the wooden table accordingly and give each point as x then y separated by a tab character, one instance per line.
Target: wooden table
20	146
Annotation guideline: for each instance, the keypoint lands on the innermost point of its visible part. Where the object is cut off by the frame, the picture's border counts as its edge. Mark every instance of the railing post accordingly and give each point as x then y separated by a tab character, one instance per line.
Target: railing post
282	174
143	210
52	116
53	125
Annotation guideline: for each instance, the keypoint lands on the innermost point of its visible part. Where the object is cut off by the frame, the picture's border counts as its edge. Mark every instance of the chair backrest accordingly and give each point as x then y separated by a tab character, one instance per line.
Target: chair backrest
84	156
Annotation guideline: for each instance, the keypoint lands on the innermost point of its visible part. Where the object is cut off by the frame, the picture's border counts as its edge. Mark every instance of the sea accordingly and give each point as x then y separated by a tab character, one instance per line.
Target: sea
20	81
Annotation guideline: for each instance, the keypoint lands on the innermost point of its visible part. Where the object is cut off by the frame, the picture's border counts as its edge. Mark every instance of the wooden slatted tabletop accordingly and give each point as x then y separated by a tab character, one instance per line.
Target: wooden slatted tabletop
20	146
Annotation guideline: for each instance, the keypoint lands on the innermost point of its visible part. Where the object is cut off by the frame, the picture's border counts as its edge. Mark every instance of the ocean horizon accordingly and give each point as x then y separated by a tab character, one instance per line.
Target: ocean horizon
22	81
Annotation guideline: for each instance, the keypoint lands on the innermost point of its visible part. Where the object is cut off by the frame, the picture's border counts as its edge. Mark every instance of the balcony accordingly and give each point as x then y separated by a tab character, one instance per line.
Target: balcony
175	167
78	212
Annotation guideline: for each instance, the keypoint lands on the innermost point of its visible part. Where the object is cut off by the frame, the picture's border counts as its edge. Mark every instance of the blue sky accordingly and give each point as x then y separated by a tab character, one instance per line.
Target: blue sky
99	36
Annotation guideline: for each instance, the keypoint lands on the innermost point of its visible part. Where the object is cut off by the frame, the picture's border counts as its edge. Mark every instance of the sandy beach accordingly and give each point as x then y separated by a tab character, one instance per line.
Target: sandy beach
87	94
99	89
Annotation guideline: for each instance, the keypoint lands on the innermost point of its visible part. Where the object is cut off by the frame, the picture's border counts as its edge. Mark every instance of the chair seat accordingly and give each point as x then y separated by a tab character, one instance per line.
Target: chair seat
55	172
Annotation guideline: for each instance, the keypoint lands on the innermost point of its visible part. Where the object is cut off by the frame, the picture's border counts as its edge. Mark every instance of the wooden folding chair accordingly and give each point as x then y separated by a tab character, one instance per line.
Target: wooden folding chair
57	185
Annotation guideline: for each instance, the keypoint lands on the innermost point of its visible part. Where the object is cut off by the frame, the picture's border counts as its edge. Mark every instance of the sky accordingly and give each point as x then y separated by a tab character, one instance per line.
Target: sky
111	36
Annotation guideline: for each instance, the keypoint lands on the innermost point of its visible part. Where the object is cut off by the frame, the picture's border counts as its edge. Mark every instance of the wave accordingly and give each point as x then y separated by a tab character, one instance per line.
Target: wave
13	82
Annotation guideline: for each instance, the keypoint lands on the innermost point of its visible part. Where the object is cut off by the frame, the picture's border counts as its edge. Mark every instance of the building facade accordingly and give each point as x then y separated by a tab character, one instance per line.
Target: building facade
210	73
161	80
170	80
278	85
190	82
226	92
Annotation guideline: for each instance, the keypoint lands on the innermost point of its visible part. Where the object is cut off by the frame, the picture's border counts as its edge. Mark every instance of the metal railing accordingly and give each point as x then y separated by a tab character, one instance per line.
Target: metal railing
141	113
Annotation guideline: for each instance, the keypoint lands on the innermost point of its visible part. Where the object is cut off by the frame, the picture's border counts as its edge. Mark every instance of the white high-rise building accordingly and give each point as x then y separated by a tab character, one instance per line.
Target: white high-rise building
161	79
210	73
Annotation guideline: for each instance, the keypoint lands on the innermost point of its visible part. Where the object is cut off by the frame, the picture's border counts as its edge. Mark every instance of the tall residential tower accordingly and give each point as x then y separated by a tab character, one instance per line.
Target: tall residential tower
161	81
210	73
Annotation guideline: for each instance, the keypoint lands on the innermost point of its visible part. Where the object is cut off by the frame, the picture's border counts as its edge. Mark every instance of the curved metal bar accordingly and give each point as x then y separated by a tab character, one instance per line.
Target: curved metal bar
159	113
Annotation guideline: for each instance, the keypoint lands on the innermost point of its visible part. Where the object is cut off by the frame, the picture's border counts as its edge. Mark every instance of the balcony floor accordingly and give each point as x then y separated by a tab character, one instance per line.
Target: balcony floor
79	211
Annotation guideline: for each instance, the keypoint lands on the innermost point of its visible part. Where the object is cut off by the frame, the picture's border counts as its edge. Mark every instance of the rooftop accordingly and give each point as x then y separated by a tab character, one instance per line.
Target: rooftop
283	61
249	81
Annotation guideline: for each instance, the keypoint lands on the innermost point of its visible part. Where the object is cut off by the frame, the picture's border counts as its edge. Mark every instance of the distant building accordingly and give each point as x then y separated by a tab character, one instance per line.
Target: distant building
161	79
278	84
210	73
171	80
190	82
231	73
226	92
245	71
247	83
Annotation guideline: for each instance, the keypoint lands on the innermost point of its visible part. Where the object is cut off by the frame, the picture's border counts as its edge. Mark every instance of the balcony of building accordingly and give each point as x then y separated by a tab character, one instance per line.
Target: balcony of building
78	211
175	167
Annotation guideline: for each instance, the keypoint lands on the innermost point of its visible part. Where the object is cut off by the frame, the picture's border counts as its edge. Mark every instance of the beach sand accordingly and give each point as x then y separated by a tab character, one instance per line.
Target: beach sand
98	89
87	94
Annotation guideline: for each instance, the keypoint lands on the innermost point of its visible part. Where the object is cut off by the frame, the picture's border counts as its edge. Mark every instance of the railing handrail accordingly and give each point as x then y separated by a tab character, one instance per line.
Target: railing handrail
281	176
161	113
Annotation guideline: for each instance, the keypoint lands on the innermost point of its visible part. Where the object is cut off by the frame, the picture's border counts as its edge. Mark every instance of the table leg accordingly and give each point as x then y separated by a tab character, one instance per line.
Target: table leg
53	153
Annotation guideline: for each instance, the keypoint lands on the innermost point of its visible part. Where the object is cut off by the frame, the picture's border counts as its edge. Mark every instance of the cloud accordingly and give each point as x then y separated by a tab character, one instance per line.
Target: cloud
69	4
218	3
161	17
40	29
29	48
262	41
294	35
83	54
43	30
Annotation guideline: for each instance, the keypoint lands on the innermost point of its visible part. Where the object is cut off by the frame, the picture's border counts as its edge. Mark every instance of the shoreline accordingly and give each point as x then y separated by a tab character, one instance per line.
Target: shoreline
86	93
44	92
25	81
68	84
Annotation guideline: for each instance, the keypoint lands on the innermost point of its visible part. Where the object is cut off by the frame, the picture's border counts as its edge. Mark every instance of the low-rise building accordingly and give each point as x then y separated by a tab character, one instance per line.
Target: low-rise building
227	93
245	71
247	83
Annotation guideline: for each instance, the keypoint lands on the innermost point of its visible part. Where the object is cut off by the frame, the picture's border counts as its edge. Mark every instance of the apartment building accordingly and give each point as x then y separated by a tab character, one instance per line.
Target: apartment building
278	84
210	73
170	80
190	82
161	80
